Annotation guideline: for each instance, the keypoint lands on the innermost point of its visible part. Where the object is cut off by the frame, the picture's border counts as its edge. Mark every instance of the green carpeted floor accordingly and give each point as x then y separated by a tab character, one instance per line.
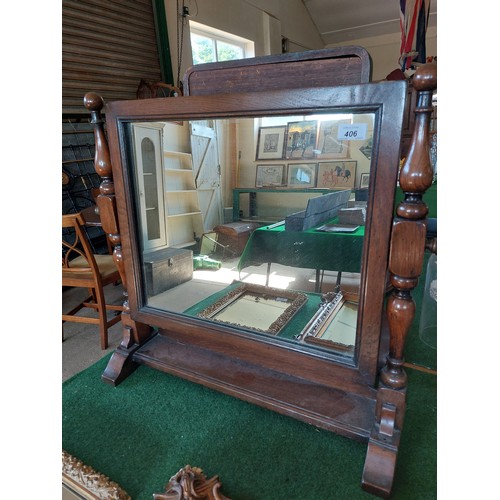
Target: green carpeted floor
416	351
143	431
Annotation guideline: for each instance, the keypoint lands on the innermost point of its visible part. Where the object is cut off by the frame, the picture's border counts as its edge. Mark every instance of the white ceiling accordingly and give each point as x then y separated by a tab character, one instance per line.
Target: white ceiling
343	20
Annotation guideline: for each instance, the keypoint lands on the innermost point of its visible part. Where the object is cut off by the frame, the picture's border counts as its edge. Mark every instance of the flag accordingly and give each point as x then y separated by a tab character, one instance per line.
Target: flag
413	19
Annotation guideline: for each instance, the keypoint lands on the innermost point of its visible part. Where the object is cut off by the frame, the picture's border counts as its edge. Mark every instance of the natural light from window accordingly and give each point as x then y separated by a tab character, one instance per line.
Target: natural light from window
212	45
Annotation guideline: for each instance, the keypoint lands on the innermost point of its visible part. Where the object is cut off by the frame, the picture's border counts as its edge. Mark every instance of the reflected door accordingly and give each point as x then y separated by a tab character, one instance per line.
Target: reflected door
207	171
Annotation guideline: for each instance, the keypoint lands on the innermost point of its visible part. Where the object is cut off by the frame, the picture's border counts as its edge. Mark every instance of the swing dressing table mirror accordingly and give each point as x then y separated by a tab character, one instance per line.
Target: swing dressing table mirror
357	392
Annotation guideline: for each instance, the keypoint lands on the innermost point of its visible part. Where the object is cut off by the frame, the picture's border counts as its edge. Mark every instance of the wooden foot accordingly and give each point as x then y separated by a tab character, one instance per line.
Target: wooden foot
380	464
121	365
383	445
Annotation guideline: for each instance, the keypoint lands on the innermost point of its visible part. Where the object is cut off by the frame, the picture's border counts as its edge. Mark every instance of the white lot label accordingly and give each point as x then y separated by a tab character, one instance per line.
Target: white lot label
352	131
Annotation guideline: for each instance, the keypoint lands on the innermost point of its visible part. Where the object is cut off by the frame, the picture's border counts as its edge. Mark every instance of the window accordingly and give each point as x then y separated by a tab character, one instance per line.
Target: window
211	45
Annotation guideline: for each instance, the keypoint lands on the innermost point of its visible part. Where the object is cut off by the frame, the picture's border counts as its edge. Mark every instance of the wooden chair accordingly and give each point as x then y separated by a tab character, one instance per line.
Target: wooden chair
82	268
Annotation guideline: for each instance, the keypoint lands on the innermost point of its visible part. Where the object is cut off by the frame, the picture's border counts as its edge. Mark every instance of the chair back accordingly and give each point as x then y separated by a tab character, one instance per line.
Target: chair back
78	257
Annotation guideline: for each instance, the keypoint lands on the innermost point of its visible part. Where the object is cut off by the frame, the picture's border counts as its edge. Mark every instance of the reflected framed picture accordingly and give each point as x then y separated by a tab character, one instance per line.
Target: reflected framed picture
271	143
270	176
336	174
301	175
301	140
334	325
329	146
257	307
364	182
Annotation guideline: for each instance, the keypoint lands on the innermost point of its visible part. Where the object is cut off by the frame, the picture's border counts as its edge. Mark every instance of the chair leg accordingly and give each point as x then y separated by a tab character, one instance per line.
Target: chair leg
103	317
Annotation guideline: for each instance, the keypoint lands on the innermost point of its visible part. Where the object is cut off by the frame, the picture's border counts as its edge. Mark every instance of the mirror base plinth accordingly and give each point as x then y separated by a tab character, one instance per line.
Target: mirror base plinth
326	407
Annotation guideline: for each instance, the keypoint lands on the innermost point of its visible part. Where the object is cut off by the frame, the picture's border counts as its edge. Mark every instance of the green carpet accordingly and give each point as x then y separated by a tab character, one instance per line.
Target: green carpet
143	431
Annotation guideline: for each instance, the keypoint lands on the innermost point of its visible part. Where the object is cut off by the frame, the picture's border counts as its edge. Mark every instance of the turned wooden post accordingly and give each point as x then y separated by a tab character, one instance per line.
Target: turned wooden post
408	242
106	202
409	230
120	364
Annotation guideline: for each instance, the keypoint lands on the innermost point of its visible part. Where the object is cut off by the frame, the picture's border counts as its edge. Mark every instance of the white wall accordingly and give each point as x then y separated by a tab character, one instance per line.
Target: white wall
384	50
262	21
266	21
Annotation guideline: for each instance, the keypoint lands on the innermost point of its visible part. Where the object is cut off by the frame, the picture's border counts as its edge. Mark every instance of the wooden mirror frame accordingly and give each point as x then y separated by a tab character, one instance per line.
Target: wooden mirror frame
312	388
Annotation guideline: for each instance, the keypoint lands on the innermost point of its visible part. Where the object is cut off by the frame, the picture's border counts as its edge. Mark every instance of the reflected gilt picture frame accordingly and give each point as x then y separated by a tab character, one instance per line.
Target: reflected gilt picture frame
270	176
329	146
256	307
334	325
301	175
364	181
336	174
271	143
301	140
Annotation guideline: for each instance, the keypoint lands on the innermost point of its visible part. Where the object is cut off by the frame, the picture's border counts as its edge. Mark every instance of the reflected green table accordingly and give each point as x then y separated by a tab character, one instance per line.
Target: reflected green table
311	249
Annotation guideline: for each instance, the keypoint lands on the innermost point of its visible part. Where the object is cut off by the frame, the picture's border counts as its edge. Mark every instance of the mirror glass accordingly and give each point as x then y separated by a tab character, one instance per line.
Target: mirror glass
256	222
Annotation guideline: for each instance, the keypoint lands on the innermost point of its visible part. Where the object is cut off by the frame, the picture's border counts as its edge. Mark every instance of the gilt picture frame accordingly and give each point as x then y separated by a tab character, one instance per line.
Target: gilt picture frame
364	181
271	143
329	146
336	174
301	140
270	176
301	175
256	307
334	324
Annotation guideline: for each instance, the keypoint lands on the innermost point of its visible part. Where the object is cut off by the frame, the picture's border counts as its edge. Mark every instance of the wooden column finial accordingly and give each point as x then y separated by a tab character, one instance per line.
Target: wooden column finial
405	264
120	363
106	202
409	230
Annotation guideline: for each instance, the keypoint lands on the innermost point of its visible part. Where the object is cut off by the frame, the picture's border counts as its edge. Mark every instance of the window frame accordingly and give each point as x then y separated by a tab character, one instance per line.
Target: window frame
216	35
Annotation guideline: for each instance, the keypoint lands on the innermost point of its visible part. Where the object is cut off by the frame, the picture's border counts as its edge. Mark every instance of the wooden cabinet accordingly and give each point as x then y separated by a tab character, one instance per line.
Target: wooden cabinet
148	147
169	206
184	217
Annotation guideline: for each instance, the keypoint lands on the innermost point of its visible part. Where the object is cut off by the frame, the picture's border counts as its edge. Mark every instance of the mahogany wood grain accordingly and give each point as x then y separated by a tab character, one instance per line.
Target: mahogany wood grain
408	243
315	68
133	333
315	387
409	230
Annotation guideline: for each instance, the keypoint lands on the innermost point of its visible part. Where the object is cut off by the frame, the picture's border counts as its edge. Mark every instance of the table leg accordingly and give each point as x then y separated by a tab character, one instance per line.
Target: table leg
252	204
236	206
319	281
339	278
268	273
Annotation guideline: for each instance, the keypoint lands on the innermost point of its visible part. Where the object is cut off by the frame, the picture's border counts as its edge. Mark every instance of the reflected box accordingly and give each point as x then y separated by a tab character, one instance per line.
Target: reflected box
234	235
167	268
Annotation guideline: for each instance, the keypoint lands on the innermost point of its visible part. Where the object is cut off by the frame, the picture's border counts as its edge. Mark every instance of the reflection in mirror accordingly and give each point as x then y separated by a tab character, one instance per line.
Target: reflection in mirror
276	202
